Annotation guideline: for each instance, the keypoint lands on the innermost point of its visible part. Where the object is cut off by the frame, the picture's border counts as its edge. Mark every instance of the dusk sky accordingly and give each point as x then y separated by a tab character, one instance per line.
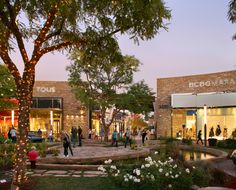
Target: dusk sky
199	40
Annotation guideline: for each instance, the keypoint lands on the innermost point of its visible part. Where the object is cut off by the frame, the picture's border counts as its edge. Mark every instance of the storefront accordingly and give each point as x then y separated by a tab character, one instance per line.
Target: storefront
180	105
54	107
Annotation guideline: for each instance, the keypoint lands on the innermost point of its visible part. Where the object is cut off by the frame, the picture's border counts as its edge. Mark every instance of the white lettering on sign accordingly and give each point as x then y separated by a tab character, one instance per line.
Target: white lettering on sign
46	89
211	83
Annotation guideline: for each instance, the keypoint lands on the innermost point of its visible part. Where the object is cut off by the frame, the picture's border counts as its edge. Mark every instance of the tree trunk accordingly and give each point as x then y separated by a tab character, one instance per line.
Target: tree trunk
24	93
103	118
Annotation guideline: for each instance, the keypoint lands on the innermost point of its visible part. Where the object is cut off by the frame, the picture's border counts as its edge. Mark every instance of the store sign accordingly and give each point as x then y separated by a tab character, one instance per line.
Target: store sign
46	89
209	83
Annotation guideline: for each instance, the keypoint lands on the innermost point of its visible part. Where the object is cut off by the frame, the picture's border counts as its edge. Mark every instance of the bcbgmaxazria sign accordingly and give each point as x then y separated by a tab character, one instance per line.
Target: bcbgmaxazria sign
211	83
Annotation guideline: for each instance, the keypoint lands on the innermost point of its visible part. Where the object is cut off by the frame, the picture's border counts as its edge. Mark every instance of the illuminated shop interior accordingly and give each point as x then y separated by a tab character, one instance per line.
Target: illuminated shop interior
187	115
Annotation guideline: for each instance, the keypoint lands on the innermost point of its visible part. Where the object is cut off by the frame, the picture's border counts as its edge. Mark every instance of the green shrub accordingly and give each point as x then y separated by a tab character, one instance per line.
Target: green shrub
227	143
53	151
152	174
187	141
200	177
7	155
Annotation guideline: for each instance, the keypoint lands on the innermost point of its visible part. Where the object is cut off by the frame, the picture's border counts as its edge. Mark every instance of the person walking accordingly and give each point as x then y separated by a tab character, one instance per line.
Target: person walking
50	136
80	136
33	156
90	134
74	132
127	137
144	133
67	145
114	138
13	134
199	136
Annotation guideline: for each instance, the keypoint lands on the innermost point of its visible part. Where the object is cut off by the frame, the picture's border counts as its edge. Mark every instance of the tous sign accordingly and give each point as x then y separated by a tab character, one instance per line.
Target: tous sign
46	89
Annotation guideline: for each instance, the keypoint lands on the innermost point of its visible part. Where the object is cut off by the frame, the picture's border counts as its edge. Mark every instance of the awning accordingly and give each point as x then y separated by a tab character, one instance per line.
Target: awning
213	99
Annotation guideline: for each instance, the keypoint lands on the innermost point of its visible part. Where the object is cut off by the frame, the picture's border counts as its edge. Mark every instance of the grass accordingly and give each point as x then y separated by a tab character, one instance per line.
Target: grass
71	183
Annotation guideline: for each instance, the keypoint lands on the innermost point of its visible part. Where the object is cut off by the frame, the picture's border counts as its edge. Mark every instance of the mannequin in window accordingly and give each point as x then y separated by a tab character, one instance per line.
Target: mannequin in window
225	133
211	133
218	130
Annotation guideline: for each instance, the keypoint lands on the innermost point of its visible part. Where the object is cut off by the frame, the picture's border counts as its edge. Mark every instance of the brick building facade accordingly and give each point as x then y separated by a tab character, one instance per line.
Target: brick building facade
55	106
173	118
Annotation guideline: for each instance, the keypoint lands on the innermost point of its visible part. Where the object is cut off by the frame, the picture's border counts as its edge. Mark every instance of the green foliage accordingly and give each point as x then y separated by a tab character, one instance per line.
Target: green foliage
7	88
105	76
167	140
155	174
232	13
187	141
200	177
53	151
7	155
227	143
42	148
140	98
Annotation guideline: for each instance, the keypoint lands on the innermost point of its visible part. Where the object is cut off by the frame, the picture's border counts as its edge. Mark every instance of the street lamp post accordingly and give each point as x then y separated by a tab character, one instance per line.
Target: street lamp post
205	125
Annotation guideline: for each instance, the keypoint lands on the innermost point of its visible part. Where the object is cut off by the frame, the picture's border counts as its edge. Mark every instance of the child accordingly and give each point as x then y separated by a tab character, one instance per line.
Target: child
32	156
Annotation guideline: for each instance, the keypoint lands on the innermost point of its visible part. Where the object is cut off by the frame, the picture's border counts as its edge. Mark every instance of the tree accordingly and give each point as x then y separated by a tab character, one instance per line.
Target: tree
232	13
7	88
139	98
97	78
52	25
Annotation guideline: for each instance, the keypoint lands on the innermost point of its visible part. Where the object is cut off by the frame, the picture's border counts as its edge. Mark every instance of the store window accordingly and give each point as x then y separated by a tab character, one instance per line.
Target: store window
45	102
46	113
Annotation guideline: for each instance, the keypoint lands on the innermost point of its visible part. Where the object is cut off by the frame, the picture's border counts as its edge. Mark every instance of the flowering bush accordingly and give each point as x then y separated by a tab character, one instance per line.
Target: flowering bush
152	174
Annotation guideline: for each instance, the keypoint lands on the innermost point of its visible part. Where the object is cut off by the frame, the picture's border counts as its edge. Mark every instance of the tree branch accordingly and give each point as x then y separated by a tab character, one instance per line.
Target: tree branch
57	32
42	34
56	47
15	30
11	66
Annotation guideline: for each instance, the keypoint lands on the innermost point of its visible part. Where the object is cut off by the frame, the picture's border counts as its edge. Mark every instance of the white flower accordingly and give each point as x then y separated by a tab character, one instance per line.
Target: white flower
176	176
160	170
167	174
101	168
187	170
156	152
152	177
113	167
148	159
169	185
194	167
171	160
126	179
175	166
147	165
137	171
136	180
130	177
142	166
116	174
108	161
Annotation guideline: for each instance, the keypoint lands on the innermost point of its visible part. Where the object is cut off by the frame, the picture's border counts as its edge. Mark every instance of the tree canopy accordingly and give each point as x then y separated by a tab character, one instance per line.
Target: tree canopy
232	13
